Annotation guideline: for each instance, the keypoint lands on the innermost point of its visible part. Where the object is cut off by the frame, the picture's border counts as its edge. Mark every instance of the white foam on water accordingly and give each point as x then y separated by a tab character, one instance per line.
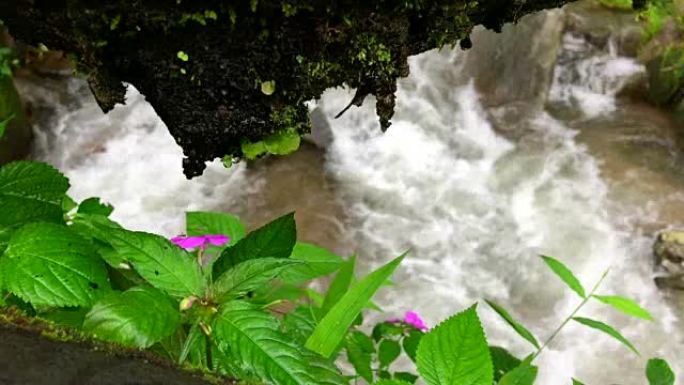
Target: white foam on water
128	158
475	210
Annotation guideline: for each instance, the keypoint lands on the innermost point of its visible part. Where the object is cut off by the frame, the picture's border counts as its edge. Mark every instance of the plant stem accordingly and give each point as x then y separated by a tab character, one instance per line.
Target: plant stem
568	318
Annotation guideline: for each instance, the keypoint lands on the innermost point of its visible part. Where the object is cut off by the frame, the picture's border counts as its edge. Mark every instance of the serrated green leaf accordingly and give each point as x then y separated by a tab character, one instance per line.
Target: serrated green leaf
249	275
251	337
522	375
95	227
29	192
625	305
658	372
139	317
359	358
410	343
598	325
94	206
388	351
519	328
202	223
456	352
163	264
317	263
49	265
273	240
503	361
339	285
333	327
565	274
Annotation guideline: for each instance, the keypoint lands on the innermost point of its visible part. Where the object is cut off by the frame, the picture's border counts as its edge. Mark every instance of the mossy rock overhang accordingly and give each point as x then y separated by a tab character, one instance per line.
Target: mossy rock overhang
202	64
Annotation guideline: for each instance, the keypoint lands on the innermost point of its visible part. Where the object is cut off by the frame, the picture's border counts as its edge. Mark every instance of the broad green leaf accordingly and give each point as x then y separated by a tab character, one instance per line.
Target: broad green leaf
625	305
202	223
406	377
194	340
520	329
274	240
363	341
71	317
249	275
359	358
598	325
339	285
96	227
49	265
456	352
251	338
410	343
503	361
576	382
565	274
318	262
388	351
95	207
300	323
333	327
387	329
68	204
29	192
522	375
659	372
163	264
388	381
139	317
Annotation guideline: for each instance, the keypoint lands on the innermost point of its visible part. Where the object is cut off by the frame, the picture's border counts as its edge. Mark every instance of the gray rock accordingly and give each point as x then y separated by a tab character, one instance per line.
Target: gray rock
669	260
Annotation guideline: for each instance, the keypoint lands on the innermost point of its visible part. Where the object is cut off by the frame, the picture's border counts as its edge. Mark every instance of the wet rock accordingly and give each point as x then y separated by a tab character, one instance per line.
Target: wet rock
669	260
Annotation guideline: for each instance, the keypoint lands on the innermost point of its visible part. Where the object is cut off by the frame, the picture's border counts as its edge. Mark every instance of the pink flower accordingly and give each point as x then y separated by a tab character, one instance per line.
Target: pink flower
413	319
200	241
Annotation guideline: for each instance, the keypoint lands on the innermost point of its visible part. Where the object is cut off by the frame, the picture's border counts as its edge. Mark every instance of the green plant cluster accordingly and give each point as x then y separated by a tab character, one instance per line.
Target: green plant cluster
242	307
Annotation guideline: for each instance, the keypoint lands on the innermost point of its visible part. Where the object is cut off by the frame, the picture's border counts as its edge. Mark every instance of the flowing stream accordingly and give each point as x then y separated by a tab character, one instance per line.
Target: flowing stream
479	173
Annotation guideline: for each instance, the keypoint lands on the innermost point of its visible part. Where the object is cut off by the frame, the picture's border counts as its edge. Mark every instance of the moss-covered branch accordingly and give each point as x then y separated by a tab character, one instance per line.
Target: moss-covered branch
220	73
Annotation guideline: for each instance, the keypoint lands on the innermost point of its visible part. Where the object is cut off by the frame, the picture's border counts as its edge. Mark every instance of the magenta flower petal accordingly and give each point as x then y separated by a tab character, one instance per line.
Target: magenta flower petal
413	319
217	239
188	242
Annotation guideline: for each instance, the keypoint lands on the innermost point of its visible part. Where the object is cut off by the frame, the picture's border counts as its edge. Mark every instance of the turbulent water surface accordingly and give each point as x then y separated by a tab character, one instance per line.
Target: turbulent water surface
476	190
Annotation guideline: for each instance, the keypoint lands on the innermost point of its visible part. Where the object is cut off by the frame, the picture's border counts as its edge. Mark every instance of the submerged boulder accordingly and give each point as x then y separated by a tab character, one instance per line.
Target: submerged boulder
669	260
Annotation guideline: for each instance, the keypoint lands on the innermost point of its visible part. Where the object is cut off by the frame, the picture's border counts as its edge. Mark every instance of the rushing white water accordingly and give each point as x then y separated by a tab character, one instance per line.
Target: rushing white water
474	208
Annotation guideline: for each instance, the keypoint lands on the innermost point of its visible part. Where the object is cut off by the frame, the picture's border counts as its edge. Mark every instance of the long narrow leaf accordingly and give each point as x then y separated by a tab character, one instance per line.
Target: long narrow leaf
339	285
333	327
598	325
520	329
625	305
565	274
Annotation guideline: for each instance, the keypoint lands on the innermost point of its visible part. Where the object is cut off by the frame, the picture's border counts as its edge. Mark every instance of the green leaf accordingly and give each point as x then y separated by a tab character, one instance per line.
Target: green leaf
359	358
387	381
96	227
522	375
29	192
139	317
49	265
339	285
68	204
273	240
576	382
283	142
565	274
410	343
252	339
94	206
363	341
193	342
503	361
300	323
318	262
202	223
659	372
388	351
3	125
520	329
598	325
406	377
625	305
163	264
333	327
249	275
71	317
456	352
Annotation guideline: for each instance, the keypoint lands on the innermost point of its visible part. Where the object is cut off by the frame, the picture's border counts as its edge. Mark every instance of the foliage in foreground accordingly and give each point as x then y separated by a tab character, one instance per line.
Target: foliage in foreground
223	300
